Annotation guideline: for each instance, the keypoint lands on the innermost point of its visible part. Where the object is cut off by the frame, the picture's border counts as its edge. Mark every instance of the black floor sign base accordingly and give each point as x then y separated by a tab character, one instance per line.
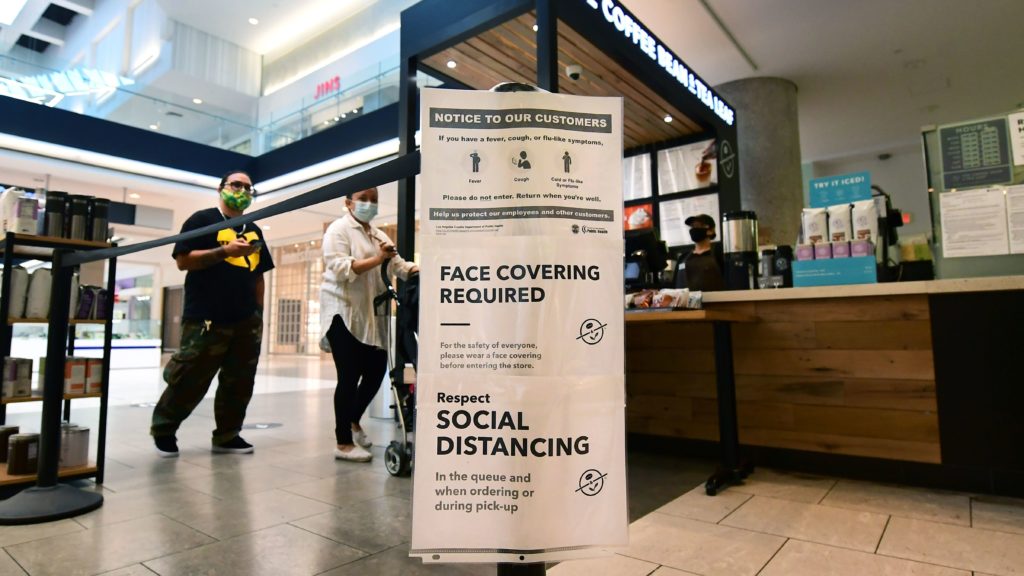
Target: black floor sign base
34	505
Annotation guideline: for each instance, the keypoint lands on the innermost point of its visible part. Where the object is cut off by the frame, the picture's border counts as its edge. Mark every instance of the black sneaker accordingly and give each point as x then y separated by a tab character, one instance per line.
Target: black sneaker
166	446
234	446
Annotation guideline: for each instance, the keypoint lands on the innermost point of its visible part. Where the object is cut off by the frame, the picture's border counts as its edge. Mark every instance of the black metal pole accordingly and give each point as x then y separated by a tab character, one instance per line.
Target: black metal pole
108	334
72	333
53	384
408	121
547	45
729	438
521	569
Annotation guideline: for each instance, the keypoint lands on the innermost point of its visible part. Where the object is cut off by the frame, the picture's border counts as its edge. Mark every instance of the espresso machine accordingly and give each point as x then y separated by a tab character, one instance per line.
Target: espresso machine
739	247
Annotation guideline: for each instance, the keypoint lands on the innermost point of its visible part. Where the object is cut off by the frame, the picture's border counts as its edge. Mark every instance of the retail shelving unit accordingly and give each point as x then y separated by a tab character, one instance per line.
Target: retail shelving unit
19	247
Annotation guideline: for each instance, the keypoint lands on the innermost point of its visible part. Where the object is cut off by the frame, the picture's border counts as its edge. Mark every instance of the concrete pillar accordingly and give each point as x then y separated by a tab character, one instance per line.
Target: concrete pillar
769	151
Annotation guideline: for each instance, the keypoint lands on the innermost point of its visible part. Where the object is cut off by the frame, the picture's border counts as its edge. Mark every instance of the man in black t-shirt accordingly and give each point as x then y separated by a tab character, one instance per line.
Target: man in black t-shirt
702	270
222	324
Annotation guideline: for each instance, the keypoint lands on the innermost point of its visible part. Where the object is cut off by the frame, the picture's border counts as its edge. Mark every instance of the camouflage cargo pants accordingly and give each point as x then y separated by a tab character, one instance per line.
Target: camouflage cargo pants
232	349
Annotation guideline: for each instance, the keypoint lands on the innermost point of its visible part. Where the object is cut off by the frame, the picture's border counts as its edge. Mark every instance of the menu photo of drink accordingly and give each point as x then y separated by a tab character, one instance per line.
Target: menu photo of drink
638	217
688	167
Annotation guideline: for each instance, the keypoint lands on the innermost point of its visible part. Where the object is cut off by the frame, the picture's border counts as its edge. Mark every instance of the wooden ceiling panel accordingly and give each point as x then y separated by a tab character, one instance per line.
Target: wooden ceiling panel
509	53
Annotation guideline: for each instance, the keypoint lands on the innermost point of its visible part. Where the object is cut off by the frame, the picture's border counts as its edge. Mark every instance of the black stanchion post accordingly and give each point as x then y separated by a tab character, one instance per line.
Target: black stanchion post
48	500
522	569
53	384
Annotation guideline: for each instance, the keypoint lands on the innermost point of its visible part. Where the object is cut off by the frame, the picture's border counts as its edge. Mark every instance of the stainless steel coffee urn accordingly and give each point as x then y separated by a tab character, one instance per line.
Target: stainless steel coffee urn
739	246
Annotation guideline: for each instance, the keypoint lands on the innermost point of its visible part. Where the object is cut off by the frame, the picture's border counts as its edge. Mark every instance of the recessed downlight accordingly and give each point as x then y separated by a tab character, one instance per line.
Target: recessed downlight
134	196
254	21
154	127
197	100
452	63
535	27
668	118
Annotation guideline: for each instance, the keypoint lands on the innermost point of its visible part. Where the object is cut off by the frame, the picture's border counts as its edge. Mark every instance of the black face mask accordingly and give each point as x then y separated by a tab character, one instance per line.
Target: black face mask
699	234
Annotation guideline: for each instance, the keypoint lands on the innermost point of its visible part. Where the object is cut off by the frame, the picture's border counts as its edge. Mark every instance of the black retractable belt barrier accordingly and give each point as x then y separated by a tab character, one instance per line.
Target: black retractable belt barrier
50	500
401	167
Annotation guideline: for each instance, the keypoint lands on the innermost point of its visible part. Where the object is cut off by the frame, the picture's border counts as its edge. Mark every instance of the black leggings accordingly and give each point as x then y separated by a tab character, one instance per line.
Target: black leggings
354	361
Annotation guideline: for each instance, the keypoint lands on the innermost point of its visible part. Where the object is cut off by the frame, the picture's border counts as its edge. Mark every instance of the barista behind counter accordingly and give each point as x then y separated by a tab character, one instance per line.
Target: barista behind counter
701	268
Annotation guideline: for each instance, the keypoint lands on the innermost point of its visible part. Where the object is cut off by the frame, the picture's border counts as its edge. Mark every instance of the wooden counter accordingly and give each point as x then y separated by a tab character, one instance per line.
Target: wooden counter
847	371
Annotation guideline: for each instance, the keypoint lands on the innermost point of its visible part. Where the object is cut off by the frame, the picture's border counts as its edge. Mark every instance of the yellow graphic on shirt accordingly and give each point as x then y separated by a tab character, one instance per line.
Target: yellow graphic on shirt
252	261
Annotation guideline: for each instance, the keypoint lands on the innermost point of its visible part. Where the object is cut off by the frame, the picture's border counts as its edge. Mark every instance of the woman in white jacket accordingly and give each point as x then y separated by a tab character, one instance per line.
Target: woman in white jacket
351	329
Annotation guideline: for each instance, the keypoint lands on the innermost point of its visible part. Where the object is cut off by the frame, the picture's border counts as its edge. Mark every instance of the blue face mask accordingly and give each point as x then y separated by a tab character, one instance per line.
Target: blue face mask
364	211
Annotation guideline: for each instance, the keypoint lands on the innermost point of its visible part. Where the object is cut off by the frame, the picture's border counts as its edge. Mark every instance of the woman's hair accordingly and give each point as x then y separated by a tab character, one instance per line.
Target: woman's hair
354	192
224	179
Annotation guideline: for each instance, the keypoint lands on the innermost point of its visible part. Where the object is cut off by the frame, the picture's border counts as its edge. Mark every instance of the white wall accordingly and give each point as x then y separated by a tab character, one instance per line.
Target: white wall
352	69
902	176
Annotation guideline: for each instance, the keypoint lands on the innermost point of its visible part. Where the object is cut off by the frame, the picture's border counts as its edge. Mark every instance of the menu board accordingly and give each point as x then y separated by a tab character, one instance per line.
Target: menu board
1015	218
636	177
1017	137
674	213
687	167
974	223
975	154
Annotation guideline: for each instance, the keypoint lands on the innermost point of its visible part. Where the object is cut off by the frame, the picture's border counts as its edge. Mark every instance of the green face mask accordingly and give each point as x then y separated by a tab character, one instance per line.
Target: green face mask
236	200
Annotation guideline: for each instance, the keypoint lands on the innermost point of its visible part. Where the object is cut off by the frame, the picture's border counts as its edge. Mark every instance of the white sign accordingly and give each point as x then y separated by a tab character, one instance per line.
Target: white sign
520	431
1016	122
974	223
1015	218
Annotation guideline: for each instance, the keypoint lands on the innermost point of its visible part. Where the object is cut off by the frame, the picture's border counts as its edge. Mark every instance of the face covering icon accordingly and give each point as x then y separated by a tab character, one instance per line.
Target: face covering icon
236	199
364	211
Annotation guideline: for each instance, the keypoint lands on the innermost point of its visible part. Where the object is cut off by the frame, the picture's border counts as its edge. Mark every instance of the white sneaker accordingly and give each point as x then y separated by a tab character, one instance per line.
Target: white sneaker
356	454
360	439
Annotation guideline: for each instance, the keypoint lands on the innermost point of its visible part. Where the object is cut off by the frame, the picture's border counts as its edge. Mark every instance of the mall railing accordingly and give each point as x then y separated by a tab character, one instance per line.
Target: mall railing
107	97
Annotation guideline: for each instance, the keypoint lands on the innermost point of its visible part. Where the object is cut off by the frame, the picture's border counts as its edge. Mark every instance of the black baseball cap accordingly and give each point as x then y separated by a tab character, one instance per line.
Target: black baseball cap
702	218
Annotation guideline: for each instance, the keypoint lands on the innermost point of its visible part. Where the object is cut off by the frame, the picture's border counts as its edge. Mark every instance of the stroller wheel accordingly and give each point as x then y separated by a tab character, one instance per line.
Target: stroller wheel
396	460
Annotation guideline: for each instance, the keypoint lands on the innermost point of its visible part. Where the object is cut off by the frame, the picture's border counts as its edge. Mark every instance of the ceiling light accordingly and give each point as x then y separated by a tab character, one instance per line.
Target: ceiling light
668	117
452	63
253	21
265	227
9	11
336	118
134	196
535	28
154	127
197	100
326	122
343	115
355	110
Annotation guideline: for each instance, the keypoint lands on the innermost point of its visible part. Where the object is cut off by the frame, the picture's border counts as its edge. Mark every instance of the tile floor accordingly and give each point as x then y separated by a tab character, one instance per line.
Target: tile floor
291	509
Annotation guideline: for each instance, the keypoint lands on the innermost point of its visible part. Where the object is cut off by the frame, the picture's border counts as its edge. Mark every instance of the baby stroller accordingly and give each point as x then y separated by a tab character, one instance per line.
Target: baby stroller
398	454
